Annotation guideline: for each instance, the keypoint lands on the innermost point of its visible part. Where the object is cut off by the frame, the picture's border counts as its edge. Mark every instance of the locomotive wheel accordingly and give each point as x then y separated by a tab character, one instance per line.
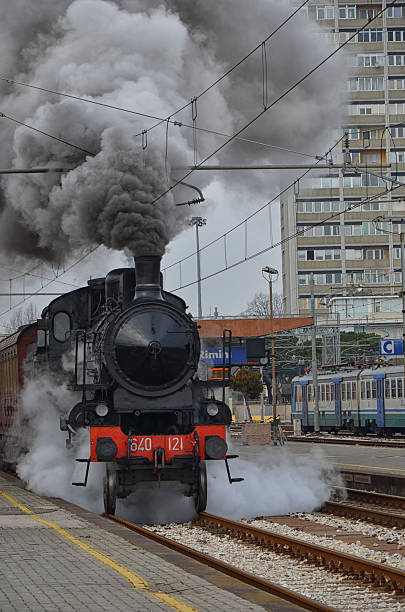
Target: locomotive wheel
201	495
110	490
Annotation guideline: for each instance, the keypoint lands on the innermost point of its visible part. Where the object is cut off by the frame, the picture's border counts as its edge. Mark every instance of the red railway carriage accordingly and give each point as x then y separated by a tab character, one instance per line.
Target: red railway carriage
13	352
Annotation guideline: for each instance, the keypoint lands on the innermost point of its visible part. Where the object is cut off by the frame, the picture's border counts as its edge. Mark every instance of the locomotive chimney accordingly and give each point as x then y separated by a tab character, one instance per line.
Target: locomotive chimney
147	271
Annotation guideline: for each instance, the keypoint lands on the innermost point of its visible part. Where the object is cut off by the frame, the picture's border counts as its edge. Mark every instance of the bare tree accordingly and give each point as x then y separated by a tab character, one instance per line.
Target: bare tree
260	305
20	317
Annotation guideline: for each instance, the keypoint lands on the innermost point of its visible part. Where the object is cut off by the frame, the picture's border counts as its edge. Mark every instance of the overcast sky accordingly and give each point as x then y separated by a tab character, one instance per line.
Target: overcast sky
153	57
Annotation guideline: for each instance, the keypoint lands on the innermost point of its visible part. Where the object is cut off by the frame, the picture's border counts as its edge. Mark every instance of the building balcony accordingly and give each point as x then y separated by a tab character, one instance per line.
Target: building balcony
367	264
379	239
324	241
319	266
368	96
364	120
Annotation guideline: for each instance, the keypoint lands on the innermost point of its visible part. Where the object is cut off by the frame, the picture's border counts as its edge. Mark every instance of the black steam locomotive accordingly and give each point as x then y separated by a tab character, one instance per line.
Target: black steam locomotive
136	354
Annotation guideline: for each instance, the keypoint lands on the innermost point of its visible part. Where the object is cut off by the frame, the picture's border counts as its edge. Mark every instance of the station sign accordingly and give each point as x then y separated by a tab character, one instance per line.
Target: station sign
391	347
215	356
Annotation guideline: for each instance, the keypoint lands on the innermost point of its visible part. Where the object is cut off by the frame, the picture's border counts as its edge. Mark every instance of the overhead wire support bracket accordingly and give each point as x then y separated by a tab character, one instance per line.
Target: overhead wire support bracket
198	200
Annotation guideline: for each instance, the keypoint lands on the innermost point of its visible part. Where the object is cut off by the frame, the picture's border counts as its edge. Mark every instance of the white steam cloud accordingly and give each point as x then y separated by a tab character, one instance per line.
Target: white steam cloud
152	57
49	467
276	483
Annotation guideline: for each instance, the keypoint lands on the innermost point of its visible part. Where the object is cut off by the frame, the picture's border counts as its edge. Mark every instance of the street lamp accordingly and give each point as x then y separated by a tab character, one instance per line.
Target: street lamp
198	222
272	272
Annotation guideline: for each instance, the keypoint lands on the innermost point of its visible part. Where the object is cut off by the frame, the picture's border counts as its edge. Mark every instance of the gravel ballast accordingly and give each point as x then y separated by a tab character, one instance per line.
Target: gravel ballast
297	575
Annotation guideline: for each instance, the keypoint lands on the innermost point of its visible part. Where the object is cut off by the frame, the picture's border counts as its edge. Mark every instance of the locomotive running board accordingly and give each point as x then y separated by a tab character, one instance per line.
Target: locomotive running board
83	484
231	480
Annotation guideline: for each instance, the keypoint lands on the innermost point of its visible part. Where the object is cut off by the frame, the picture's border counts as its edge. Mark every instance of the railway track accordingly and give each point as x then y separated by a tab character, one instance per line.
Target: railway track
346	440
230	570
375	510
370	572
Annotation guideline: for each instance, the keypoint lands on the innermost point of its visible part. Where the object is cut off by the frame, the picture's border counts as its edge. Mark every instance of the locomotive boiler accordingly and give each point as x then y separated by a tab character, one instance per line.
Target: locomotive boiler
135	360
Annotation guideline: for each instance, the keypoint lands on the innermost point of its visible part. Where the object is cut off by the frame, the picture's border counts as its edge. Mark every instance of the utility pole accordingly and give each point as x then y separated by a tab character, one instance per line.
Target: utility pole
198	222
402	237
314	360
276	437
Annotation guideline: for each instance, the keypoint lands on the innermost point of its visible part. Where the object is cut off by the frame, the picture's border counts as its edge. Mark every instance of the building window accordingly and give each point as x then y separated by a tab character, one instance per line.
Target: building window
398	157
352	133
396	83
397	276
367	84
369	36
375	254
366	109
324	278
317	206
325	12
395	12
396	60
318	254
351	181
367	13
354	254
397	252
394	35
347	11
318	230
397	132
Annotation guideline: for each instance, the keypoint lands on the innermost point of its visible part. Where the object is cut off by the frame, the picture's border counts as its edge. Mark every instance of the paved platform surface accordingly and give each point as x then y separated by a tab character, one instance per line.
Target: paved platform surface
55	556
358	458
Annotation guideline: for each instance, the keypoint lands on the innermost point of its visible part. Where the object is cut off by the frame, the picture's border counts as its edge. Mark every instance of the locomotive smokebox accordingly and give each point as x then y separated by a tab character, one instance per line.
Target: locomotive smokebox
147	270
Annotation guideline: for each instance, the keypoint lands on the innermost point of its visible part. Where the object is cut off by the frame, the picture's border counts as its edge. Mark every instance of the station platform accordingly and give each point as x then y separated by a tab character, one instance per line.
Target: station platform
57	556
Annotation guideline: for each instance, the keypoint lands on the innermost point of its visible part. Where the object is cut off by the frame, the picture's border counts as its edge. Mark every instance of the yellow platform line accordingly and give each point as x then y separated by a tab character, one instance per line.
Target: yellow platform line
369	467
139	583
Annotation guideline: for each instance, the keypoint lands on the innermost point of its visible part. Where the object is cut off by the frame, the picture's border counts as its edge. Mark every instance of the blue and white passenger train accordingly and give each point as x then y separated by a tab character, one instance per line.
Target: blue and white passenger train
362	401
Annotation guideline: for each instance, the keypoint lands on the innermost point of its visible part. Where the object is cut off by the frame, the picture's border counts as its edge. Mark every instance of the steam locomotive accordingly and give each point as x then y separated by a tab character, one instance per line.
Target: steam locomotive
134	369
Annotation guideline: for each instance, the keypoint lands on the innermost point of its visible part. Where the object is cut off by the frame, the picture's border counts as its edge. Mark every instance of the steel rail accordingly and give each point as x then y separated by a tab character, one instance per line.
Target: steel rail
374	573
230	570
322	440
378	499
369	515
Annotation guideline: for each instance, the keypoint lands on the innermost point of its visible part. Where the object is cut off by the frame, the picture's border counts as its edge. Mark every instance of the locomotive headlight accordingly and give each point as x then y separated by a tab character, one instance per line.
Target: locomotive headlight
101	410
212	410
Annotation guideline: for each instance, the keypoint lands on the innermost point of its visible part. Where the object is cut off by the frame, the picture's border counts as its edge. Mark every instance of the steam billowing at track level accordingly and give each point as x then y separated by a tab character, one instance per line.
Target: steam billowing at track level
150	58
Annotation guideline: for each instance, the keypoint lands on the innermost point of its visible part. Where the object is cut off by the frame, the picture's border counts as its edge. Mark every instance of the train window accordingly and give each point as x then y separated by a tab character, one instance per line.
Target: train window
332	391
387	388
349	391
343	391
322	393
363	390
400	385
327	389
61	326
368	389
309	393
354	390
393	388
41	338
374	388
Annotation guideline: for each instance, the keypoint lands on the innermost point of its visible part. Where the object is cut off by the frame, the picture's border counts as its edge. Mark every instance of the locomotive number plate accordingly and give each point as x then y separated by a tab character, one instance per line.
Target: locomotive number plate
176	443
140	444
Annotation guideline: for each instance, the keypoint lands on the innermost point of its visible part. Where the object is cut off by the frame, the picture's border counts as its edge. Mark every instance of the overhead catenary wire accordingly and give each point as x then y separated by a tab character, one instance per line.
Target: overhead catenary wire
278	99
287	238
31	127
34	293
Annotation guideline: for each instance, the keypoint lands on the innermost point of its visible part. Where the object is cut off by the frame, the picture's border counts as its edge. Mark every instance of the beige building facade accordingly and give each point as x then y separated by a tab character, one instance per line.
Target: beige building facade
352	254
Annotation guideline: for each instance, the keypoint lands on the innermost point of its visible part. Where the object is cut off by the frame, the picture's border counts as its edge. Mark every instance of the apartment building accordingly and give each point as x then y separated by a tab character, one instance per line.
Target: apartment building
351	252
